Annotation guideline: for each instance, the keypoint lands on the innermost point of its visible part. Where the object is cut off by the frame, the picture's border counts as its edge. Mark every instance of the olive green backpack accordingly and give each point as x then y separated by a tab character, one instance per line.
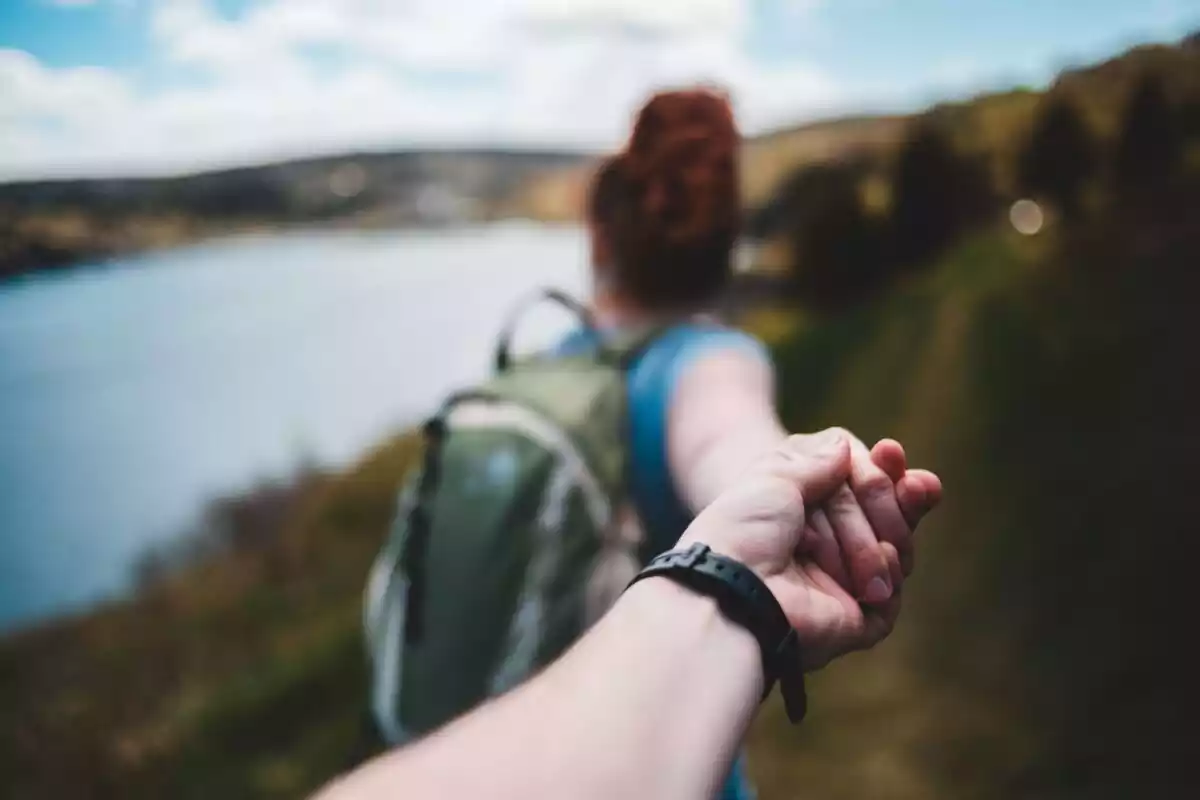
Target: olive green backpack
514	536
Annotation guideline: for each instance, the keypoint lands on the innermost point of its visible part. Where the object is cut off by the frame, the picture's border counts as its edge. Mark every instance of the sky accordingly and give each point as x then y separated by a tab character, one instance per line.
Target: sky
120	87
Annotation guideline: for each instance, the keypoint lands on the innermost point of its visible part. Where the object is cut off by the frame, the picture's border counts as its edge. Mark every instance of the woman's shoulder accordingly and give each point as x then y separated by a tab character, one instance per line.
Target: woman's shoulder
694	339
682	347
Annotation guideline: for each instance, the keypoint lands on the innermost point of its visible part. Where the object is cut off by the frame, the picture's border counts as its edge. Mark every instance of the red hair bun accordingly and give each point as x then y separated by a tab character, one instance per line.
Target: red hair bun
669	205
682	167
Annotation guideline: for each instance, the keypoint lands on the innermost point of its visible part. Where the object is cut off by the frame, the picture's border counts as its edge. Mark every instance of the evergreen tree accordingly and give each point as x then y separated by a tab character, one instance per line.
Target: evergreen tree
833	240
937	195
1150	143
1059	157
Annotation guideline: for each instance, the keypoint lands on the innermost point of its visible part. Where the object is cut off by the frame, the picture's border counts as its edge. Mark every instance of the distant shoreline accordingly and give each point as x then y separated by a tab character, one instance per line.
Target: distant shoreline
65	260
55	224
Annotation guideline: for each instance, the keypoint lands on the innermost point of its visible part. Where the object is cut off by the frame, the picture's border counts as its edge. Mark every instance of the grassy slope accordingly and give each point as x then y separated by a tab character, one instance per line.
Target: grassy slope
1011	369
242	679
900	368
1043	381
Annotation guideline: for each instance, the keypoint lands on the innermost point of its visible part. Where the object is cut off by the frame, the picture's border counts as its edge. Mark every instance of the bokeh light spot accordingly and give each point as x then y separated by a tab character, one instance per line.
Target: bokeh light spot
1027	217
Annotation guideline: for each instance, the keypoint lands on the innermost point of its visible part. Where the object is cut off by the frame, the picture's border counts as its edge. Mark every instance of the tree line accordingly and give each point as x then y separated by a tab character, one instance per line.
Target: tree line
842	249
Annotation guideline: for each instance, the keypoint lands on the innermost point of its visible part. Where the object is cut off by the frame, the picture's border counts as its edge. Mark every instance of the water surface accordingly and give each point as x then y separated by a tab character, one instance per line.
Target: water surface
130	392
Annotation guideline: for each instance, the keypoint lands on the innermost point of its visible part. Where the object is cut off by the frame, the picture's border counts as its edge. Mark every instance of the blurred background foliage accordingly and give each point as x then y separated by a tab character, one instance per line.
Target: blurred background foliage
1047	378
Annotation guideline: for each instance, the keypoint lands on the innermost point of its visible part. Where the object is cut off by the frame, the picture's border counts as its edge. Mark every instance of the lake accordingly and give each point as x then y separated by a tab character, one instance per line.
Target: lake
133	391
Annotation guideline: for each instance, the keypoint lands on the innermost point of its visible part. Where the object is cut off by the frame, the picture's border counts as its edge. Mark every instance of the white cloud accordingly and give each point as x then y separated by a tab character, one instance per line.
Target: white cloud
803	9
32	92
292	77
661	17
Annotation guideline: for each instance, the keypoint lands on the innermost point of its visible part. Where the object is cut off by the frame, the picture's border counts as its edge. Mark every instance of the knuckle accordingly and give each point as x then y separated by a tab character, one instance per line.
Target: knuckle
796	447
840	432
847	435
791	450
875	485
772	463
864	556
843	498
842	504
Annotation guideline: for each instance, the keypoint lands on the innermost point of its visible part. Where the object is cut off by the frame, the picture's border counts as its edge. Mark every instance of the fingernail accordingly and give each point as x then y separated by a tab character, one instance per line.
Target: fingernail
878	591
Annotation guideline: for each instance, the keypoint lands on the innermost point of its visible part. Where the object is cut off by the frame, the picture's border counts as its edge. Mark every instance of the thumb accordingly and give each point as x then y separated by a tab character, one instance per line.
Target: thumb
817	463
759	519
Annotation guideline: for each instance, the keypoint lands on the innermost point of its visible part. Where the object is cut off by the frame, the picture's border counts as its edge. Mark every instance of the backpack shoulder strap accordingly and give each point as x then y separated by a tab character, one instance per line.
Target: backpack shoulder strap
626	347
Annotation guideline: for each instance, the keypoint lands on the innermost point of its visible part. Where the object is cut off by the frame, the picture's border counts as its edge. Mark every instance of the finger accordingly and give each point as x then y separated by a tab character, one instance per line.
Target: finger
880	621
889	456
833	622
932	485
864	558
895	565
876	494
918	493
818	463
823	549
772	502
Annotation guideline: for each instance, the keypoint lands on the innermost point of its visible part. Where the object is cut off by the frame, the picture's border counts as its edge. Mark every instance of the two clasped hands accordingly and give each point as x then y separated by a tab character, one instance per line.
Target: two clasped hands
829	526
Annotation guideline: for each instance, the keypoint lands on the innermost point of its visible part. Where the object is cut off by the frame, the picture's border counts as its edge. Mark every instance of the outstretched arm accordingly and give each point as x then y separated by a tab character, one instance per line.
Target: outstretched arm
653	701
650	704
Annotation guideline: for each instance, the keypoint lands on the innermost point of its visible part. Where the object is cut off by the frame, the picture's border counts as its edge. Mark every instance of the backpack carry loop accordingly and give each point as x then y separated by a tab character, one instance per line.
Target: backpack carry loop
504	343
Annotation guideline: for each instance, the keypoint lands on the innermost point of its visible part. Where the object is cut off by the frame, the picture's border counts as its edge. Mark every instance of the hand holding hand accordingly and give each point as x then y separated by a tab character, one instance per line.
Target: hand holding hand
815	563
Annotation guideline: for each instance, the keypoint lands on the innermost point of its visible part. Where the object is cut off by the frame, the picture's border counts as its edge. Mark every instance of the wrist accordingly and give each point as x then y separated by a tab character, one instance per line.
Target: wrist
661	606
737	551
743	599
664	678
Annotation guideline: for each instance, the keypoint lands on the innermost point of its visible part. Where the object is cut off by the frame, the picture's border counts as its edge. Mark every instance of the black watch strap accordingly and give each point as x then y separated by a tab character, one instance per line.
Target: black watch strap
744	599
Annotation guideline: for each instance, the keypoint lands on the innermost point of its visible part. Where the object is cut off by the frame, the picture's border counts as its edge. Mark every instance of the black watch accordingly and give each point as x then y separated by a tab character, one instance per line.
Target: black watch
743	598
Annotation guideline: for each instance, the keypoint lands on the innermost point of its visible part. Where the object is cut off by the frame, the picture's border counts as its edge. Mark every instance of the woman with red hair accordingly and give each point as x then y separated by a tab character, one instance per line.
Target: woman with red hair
664	217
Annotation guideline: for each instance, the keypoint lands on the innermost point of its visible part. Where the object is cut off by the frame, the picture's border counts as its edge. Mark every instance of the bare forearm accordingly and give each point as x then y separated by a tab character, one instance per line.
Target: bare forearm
724	459
722	420
652	703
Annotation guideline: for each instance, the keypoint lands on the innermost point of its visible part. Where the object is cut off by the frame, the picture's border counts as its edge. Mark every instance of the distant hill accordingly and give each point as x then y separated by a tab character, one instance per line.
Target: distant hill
51	223
558	195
